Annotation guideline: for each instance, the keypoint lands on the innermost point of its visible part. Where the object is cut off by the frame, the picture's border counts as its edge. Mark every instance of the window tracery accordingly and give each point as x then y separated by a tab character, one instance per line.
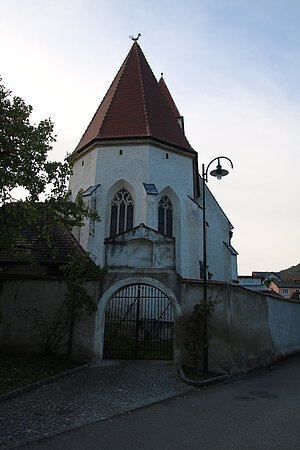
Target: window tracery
122	206
165	216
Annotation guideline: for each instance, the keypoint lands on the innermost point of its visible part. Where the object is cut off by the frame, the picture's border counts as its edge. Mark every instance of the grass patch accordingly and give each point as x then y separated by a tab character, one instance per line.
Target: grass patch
199	376
20	370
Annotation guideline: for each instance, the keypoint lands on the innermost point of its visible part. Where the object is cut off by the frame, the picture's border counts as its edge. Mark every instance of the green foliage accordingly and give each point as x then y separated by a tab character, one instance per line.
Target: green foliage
77	300
80	268
194	327
24	164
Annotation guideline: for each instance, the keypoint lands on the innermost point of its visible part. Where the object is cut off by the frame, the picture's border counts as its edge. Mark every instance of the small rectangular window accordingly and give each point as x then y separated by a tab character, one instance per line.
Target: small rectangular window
285	291
90	190
150	188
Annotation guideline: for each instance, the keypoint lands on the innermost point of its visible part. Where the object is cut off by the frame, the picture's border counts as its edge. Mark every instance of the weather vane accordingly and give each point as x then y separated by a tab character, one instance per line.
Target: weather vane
135	39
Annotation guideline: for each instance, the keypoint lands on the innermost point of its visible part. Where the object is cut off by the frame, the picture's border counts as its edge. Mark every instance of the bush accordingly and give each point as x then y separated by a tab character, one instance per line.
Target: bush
193	328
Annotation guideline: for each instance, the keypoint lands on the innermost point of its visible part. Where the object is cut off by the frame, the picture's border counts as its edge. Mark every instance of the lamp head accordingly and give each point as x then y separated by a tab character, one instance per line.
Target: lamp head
219	172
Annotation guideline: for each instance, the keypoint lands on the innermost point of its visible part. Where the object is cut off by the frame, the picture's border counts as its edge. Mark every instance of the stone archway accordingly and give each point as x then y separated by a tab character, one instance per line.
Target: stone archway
166	296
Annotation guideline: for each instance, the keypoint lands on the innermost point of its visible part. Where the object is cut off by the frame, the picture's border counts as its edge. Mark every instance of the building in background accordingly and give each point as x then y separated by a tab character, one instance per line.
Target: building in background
258	281
287	289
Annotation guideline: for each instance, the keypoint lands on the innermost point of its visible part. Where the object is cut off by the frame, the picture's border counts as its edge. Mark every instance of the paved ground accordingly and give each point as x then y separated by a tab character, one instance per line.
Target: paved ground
94	394
258	411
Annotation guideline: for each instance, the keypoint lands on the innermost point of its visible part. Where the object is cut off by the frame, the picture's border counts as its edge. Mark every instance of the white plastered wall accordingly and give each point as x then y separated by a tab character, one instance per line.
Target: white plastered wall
136	165
221	263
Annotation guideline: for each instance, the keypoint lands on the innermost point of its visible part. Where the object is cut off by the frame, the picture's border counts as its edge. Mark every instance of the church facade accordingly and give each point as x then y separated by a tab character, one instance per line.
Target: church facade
135	166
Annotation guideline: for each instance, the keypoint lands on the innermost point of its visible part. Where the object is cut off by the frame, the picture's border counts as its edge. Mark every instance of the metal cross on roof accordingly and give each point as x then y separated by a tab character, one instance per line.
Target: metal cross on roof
135	39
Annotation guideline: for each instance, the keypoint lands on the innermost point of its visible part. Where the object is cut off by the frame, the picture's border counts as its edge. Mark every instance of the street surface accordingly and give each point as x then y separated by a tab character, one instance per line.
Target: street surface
95	393
260	410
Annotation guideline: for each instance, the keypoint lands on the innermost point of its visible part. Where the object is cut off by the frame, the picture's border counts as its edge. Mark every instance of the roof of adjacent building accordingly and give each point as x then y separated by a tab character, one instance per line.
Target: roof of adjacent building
287	284
64	246
260	274
136	106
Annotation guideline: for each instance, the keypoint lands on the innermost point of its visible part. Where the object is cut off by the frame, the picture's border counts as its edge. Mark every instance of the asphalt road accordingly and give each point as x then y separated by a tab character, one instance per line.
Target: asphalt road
260	410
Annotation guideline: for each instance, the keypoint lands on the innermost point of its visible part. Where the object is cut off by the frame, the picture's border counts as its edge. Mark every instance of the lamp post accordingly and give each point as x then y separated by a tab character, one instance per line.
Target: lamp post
219	172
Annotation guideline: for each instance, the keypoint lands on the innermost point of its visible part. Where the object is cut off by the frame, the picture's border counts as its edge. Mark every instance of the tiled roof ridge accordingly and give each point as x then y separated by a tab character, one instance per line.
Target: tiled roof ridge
120	74
137	49
116	81
146	68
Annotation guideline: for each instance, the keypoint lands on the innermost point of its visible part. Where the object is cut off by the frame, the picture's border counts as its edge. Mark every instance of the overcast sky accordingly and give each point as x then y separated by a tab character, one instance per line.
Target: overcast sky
233	68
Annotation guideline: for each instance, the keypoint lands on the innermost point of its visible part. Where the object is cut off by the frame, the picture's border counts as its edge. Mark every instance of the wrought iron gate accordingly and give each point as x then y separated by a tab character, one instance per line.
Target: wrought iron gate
139	324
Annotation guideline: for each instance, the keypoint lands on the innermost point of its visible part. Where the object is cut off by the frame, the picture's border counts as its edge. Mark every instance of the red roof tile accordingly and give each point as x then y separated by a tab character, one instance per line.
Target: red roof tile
135	107
168	97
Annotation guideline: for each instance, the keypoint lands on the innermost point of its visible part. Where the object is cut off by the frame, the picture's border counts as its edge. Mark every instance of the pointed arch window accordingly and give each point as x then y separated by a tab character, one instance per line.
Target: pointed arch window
165	216
121	218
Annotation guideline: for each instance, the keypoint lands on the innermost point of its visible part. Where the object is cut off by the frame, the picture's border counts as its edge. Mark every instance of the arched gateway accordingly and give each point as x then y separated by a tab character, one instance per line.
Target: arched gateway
139	324
115	295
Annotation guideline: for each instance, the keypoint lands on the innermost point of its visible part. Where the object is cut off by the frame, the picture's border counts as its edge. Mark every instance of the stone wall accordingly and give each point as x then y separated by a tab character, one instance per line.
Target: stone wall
248	329
28	304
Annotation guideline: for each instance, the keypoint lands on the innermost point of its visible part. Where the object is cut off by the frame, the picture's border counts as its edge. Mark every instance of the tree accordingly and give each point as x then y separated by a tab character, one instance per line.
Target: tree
24	164
77	301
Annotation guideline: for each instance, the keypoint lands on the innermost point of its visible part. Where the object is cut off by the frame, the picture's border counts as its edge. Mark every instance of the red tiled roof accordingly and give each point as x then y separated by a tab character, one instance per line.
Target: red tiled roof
168	97
135	107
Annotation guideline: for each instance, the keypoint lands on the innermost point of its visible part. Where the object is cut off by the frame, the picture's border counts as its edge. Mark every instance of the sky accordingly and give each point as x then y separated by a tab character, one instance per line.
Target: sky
233	69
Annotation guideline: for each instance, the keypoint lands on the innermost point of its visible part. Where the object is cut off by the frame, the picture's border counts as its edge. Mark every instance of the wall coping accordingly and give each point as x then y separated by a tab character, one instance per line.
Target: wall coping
237	286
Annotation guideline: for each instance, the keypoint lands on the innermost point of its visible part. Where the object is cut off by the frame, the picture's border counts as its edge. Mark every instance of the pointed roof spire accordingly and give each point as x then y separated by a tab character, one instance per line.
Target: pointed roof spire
168	96
134	107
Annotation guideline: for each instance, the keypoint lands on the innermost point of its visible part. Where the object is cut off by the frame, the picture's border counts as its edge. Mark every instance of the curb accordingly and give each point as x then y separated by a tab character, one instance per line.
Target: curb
200	383
30	387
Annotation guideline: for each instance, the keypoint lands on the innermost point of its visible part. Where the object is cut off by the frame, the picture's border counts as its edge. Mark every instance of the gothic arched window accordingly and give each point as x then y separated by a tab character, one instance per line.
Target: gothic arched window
121	218
165	216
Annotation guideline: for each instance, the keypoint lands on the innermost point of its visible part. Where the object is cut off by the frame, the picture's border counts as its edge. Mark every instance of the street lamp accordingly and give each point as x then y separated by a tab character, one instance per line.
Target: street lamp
219	172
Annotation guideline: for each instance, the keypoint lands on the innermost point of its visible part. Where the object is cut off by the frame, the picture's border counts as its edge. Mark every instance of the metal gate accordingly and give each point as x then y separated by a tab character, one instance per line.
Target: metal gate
139	324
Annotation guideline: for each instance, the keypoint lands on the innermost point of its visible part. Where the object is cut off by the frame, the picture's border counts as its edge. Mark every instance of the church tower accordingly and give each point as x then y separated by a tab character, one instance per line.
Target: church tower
135	165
